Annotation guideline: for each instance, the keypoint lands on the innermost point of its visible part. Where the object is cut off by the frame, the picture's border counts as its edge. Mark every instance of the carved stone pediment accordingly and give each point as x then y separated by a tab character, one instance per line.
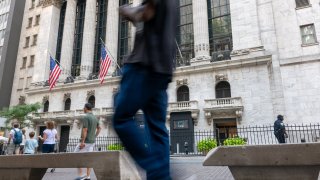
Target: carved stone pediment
66	96
22	100
181	82
45	99
90	93
221	77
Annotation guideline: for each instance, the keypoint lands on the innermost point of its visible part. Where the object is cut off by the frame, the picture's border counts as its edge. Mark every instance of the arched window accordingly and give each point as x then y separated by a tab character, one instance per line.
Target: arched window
67	104
46	106
92	101
183	93
223	90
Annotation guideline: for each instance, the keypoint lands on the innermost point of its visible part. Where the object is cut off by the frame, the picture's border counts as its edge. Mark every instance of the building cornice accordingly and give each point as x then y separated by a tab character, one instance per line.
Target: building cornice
46	3
214	66
222	65
72	86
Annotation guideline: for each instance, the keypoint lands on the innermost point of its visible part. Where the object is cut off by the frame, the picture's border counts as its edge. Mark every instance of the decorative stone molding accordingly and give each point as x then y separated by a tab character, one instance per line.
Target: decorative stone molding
22	100
45	99
90	93
46	3
242	52
86	68
221	77
201	47
182	82
66	96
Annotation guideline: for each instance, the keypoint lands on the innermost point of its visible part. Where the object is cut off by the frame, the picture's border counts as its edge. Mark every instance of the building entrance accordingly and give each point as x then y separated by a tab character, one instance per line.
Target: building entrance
225	128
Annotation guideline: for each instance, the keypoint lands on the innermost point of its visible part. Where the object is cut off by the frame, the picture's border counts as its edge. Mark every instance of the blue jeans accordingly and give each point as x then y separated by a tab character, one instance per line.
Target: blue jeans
145	90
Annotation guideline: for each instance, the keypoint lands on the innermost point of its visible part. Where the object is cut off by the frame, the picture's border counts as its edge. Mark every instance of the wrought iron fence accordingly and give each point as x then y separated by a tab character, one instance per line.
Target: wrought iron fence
192	143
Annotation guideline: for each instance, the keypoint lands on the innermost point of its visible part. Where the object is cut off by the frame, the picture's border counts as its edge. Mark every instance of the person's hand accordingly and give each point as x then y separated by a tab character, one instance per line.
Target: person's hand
82	145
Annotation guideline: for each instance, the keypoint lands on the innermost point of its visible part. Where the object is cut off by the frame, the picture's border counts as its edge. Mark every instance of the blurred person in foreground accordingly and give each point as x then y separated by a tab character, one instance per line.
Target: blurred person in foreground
146	75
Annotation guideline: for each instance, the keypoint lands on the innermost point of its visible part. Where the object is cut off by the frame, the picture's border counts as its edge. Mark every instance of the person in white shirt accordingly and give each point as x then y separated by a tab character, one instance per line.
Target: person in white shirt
12	147
50	136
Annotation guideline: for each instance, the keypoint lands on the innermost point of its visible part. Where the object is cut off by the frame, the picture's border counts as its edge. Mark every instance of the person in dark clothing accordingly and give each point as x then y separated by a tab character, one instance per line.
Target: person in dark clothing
280	130
146	75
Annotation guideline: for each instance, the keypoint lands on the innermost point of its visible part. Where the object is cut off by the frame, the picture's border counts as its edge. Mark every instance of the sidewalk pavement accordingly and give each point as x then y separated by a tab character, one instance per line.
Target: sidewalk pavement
182	168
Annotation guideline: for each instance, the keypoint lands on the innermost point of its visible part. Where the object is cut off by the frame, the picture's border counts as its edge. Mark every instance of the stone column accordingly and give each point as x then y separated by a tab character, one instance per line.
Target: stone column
112	32
68	38
201	32
88	38
245	24
47	39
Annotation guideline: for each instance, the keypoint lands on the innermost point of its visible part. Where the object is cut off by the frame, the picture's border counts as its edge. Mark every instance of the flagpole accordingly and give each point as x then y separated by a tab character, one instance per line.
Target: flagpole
104	45
61	66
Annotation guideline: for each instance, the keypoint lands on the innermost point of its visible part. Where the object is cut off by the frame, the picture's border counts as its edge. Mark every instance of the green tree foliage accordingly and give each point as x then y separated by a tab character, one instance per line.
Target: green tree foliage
20	113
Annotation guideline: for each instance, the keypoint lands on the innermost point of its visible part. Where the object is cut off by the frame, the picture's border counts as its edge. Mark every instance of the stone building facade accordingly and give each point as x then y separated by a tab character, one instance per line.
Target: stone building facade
239	63
11	14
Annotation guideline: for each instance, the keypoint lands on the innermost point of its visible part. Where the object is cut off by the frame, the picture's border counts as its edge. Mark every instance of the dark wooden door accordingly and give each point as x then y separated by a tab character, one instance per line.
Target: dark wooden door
64	138
41	129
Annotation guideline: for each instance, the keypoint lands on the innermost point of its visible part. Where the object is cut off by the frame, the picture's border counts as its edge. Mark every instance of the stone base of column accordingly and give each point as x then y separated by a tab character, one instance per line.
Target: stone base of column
200	60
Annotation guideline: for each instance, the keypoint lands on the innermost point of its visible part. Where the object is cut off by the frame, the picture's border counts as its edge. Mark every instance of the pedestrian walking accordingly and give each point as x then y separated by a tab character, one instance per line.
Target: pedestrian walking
24	138
280	130
15	139
90	130
31	144
50	136
146	75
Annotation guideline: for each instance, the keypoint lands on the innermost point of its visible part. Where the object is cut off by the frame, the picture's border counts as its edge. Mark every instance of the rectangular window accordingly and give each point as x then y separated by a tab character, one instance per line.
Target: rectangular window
33	2
37	20
185	36
29	22
27	42
78	36
31	61
24	62
60	30
220	32
125	27
28	83
302	3
35	40
20	85
308	34
102	6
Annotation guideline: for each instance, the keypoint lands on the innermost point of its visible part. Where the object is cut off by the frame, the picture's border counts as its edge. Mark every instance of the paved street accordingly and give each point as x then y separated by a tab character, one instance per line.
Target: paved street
182	168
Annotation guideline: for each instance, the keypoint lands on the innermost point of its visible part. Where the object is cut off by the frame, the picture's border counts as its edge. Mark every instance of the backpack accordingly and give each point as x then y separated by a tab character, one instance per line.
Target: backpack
17	140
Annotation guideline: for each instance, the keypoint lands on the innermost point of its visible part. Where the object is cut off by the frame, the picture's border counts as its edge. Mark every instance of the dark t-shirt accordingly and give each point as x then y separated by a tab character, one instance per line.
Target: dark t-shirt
279	127
155	45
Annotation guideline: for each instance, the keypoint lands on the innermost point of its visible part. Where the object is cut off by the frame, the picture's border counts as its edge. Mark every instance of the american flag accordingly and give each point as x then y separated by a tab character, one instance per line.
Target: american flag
55	72
104	64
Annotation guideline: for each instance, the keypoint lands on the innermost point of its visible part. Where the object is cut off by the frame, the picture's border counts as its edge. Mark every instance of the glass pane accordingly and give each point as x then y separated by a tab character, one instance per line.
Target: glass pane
181	124
308	39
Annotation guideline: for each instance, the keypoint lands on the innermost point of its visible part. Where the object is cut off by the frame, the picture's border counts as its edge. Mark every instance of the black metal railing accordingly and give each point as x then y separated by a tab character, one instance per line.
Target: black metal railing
189	143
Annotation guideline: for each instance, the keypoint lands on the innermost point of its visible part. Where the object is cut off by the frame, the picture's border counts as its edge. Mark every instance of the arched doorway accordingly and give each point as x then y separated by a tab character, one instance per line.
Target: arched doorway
223	90
183	94
92	101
